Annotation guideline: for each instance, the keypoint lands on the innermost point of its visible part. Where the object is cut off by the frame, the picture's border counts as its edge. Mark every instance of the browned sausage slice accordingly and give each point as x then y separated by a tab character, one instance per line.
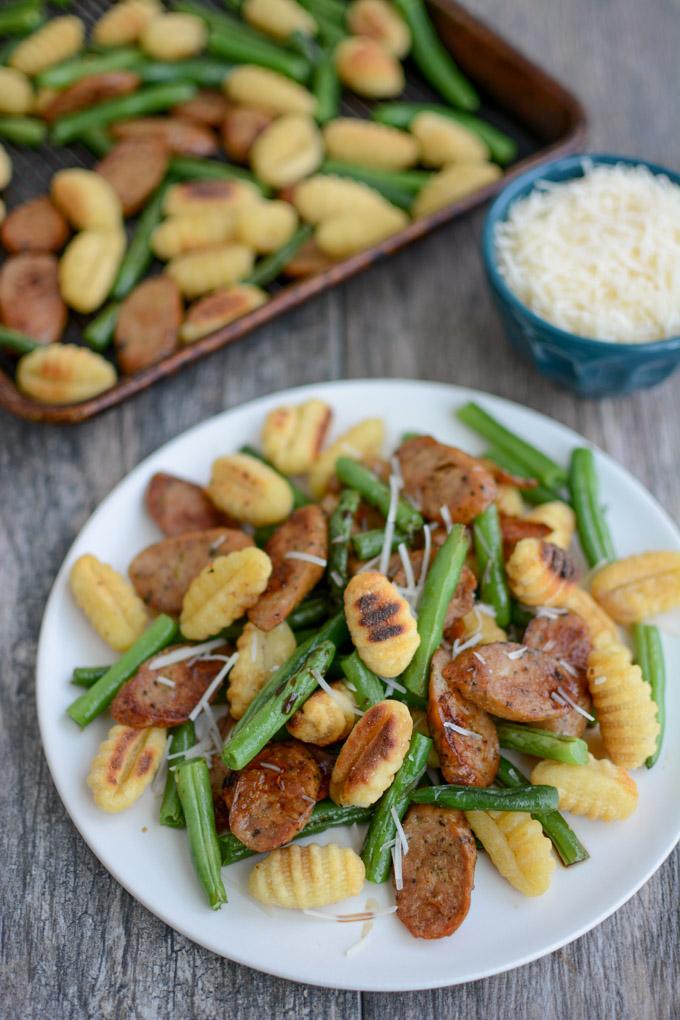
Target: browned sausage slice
162	573
144	701
177	506
471	757
305	531
240	129
206	107
35	226
274	796
308	260
134	169
148	324
567	640
438	871
90	90
436	475
179	136
29	296
509	680
513	529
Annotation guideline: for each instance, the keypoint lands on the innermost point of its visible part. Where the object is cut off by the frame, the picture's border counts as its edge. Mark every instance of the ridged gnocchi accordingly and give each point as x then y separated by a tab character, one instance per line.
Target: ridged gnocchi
380	21
249	491
557	516
540	574
368	143
292	435
266	226
365	439
381	623
324	197
267	90
480	625
125	764
325	718
599	790
223	591
443	140
453	183
625	710
86	199
124	22
219	309
109	601
198	272
301	877
57	40
192	197
372	754
345	235
639	586
64	374
278	18
288	150
366	67
516	847
180	234
260	653
16	91
88	268
173	36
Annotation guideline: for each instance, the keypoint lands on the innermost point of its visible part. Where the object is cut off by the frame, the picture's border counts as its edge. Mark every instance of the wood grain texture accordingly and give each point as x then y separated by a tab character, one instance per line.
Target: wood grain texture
74	944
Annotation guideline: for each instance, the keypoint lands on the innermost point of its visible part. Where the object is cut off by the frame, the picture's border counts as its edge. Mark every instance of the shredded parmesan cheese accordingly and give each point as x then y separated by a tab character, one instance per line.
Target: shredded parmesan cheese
165	680
461	729
205	698
599	255
572	704
517	653
401	835
306	558
446	517
389	524
187	652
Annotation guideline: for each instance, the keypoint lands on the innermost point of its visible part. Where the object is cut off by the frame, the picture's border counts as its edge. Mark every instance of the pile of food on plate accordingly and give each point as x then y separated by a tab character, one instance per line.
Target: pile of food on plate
326	637
158	92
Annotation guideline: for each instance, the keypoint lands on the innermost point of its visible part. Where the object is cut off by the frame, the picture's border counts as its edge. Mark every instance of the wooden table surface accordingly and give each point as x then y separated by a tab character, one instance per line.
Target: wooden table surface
74	944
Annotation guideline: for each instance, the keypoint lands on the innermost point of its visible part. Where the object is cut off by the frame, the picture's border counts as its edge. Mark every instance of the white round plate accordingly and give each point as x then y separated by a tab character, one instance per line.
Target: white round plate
503	929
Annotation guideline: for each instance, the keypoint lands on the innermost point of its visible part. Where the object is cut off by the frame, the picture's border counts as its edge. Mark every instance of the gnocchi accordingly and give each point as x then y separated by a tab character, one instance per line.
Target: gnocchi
64	374
219	309
260	654
86	199
267	90
223	591
124	766
368	143
288	150
381	624
88	268
599	790
638	586
372	754
57	40
301	877
198	272
109	601
292	435
517	848
365	439
249	490
623	703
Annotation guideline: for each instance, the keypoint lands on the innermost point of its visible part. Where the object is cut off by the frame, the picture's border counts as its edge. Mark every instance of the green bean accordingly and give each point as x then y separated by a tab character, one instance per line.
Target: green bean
374	491
202	72
368	544
542	743
138	256
87	676
440	585
98	333
312	610
326	815
23	130
433	59
268	268
98	141
339	533
299	498
593	531
363	683
493	584
326	89
398	186
382	830
521	616
18	343
262	534
564	839
502	148
288	697
189	168
72	70
649	657
7	49
330	32
534	799
171	814
534	463
539	494
148	100
223	22
195	795
336	10
306	46
240	50
20	19
97	699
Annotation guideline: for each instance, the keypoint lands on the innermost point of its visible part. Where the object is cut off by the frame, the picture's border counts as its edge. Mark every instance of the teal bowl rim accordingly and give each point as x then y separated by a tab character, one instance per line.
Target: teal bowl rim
519	188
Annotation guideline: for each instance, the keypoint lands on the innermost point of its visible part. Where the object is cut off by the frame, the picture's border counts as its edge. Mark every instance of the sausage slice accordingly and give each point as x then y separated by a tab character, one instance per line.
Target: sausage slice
30	300
89	91
162	573
148	324
179	136
305	531
463	758
35	226
134	169
513	529
274	796
438	871
567	640
509	680
436	475
144	701
177	506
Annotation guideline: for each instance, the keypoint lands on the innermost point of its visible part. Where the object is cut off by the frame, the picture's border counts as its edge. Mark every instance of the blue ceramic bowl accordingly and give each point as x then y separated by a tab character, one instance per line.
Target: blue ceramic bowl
593	368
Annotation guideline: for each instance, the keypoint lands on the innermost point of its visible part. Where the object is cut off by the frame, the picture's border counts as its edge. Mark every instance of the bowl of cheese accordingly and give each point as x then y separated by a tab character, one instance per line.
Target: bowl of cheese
583	259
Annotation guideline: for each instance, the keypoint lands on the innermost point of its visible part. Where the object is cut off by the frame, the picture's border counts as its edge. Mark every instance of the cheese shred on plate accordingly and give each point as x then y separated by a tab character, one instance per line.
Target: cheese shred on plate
598	256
